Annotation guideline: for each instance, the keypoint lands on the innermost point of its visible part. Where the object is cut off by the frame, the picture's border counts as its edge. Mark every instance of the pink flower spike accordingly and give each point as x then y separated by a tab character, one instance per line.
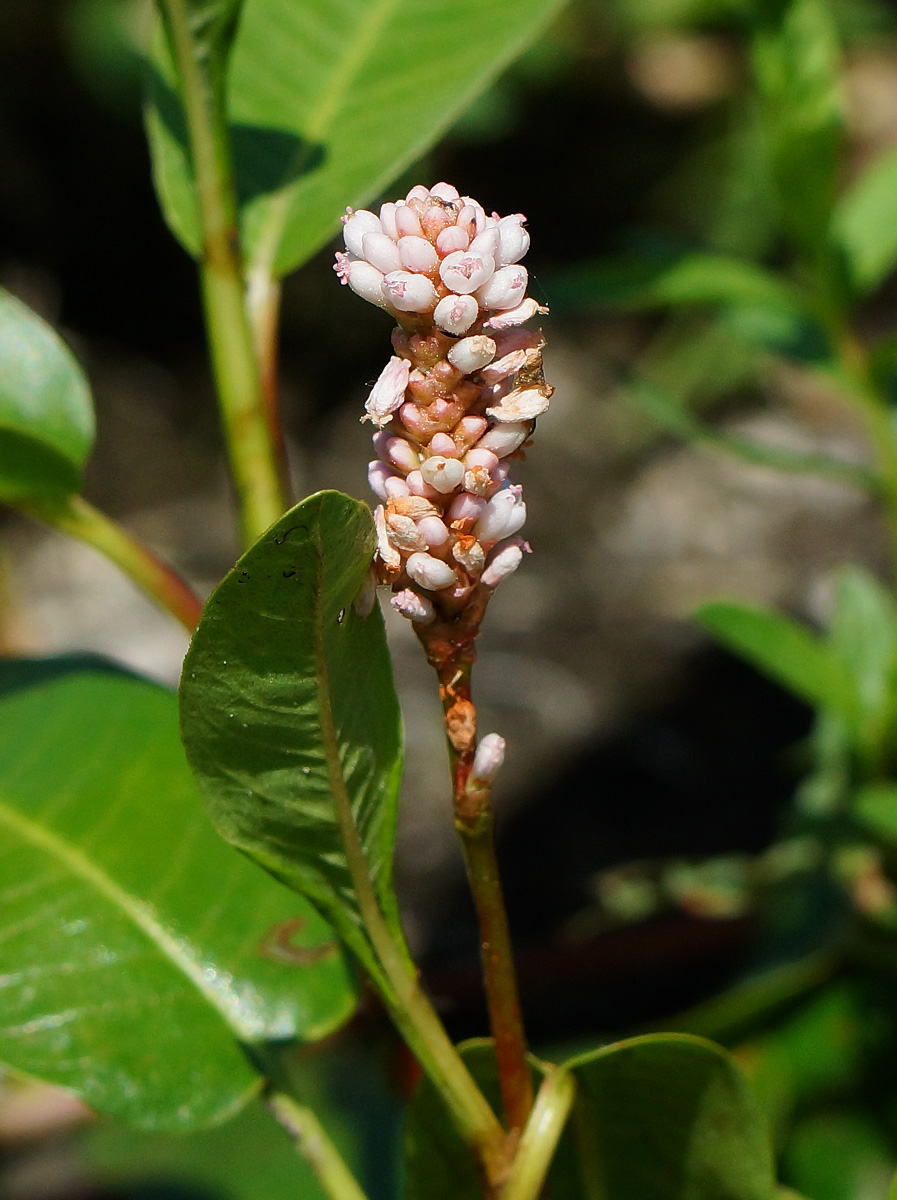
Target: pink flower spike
388	392
416	254
456	314
505	289
409	292
515	316
464	272
504	561
452	238
413	606
444	191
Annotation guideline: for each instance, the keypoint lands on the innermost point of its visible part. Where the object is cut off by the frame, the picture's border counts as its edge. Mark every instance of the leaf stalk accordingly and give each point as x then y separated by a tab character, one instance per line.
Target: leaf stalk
541	1135
311	1141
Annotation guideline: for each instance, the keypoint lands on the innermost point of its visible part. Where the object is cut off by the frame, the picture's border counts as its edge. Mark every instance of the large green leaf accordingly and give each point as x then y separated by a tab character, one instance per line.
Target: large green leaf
782	649
865	223
288	709
329	101
137	947
663	1117
46	413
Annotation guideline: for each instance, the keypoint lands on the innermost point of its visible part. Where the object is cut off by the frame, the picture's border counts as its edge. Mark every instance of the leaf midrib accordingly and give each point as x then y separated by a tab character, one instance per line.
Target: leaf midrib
139	913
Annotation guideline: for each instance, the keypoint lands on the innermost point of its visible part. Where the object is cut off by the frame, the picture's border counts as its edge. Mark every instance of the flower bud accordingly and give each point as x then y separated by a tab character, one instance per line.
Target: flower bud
388	220
429	572
505	289
416	253
401	454
466	509
434	220
452	239
364	280
407	221
378	473
408	292
403	533
443	474
464	272
396	488
471	218
505	439
444	191
503	561
487	761
468	431
516	316
486	242
381	252
504	514
471	353
507	365
413	606
388	392
456	314
433	531
514	239
418	486
418	192
481	456
355	226
444	444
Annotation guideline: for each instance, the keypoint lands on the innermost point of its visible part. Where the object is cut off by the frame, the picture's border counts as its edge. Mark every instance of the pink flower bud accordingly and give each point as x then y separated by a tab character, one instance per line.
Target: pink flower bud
505	289
469	430
456	314
514	239
418	192
388	392
516	316
378	473
442	443
466	509
472	217
418	487
464	272
407	221
504	514
388	220
471	353
364	280
409	293
355	228
444	191
396	488
429	572
413	606
505	439
381	252
487	761
481	456
487	243
417	254
433	531
443	474
402	454
504	561
451	239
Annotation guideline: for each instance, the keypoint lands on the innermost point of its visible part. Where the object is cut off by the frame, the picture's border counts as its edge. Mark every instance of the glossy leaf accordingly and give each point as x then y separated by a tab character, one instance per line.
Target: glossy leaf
865	224
287	704
796	61
664	1117
781	648
330	102
137	947
46	412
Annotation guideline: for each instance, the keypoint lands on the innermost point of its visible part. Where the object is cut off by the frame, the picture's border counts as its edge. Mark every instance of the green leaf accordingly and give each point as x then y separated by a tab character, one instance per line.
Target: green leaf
330	102
839	1156
875	806
137	947
664	1117
781	648
288	707
864	223
796	61
46	413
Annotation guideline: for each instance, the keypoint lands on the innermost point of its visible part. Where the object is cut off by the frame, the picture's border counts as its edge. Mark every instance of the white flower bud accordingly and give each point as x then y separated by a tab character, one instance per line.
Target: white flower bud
444	191
456	314
487	761
396	488
464	272
516	316
364	280
452	239
413	606
381	252
503	561
504	514
523	404
443	474
505	289
505	439
429	572
356	226
409	293
418	192
388	220
507	365
388	392
471	353
487	243
514	239
470	554
472	216
407	221
417	254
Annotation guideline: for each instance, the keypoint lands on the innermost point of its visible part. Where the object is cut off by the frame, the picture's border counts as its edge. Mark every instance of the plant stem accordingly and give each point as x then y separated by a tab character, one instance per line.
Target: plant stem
75	516
263	296
312	1142
540	1136
237	375
450	650
412	1012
